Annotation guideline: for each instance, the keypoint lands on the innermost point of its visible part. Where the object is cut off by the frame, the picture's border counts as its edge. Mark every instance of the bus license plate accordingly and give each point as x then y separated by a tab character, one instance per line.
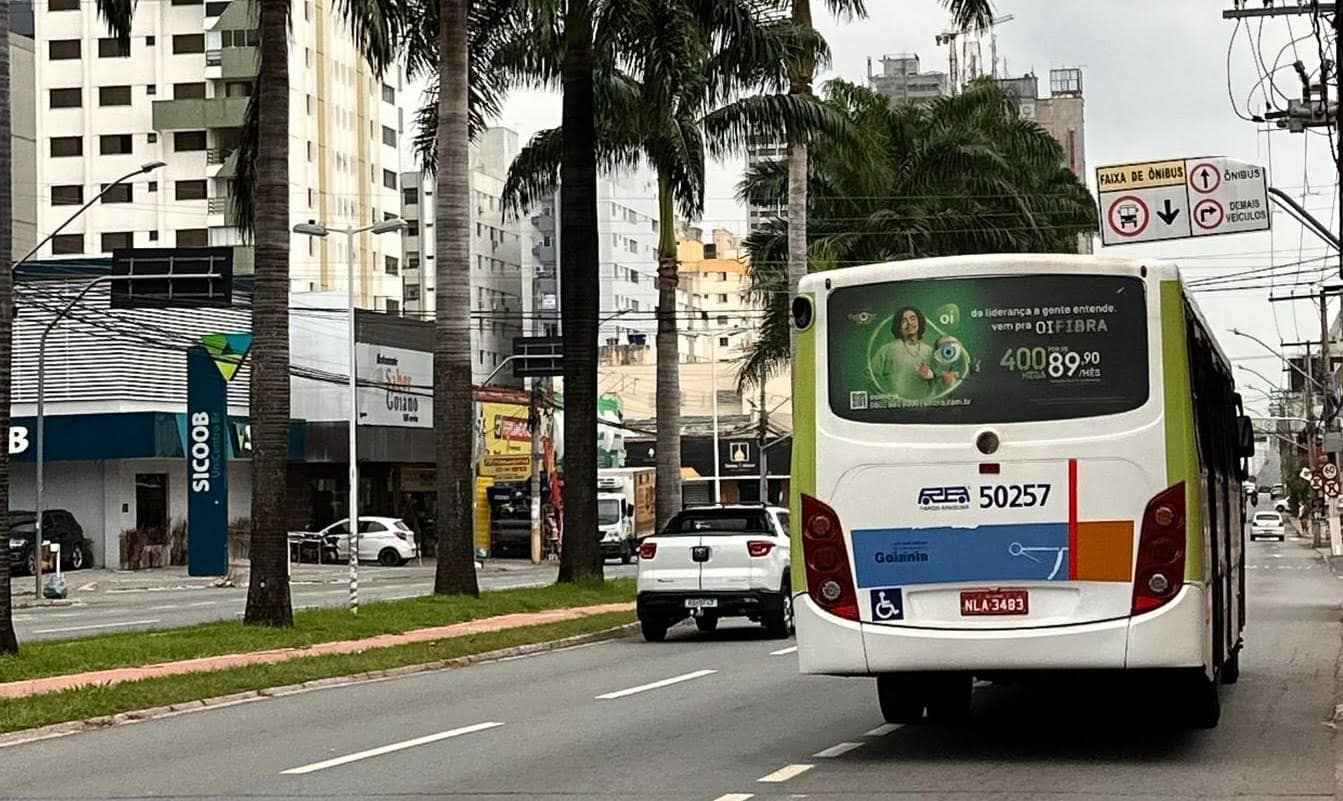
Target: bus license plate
701	603
994	602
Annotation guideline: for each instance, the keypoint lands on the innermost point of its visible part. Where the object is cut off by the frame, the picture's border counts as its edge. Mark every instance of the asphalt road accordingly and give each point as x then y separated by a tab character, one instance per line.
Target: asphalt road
109	610
726	717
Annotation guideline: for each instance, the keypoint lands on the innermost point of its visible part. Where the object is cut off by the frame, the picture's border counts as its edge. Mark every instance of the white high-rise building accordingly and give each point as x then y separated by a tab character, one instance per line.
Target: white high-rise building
497	305
178	95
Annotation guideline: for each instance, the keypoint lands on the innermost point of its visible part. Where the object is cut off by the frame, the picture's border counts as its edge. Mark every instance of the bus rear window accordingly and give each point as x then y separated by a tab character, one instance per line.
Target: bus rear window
987	349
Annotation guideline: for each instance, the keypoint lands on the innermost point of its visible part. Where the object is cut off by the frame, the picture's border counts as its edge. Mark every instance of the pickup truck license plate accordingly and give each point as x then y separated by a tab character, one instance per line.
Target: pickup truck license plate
701	603
994	602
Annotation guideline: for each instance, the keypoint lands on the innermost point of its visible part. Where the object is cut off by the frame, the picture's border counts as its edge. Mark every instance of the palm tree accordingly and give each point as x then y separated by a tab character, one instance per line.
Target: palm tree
674	95
965	13
967	174
117	15
262	210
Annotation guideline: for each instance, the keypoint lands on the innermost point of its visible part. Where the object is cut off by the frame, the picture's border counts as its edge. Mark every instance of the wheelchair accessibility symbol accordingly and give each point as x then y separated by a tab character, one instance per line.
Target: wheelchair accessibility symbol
887	605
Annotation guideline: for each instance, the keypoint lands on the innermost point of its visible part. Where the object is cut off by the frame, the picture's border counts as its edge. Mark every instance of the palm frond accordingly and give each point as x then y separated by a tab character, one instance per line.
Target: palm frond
377	27
243	207
971	14
117	15
535	171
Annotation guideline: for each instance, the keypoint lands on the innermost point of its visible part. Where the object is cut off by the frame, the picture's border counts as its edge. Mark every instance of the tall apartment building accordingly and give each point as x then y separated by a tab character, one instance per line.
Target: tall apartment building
902	81
178	94
23	140
717	277
762	150
1061	113
497	308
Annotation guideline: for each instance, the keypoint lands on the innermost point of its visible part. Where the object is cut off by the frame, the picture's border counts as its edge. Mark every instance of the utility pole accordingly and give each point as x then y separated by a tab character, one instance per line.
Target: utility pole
763	435
534	421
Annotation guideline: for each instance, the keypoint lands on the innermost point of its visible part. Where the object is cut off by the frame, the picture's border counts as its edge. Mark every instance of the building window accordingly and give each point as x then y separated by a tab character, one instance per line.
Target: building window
311	105
66	146
189	91
188	140
412	227
121	193
110	47
393	265
723	342
153	236
65	49
193	238
412	293
115	144
152	186
310	151
722	298
307	11
67	195
114	95
393	306
238	89
117	240
388	94
64	244
722	276
66	98
388	136
151	90
190	190
722	319
187	2
412	261
310	201
389	179
62	5
546	241
185	43
150	41
410	196
216	9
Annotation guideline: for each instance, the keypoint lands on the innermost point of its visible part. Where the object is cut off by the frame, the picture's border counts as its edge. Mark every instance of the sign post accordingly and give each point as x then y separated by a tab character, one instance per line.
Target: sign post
210	366
1180	199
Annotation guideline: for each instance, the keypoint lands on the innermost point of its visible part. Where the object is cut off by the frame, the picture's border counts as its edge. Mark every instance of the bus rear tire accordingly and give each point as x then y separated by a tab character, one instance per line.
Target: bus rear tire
1204	705
900	698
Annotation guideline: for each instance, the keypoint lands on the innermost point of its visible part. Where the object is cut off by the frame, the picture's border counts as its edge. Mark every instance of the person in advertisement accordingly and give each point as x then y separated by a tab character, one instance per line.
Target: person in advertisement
907	366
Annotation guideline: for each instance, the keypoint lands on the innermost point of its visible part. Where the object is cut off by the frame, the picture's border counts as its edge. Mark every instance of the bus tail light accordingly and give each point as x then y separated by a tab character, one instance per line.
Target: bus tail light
829	579
1161	551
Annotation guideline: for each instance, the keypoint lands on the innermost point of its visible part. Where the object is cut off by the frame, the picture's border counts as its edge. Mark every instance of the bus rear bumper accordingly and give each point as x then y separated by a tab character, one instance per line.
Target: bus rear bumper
1169	637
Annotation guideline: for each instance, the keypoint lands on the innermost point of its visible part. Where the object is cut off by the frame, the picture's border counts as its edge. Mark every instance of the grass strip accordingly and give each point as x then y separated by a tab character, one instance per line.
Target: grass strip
17	714
138	648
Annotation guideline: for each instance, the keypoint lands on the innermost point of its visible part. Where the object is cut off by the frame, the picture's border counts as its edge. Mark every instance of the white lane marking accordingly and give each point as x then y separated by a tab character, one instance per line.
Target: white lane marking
836	750
735	797
164	607
698	674
389	749
98	626
784	651
883	730
785	773
204	603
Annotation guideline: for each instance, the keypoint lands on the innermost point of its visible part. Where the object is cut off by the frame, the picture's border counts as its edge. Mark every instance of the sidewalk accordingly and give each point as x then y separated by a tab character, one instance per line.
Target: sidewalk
18	689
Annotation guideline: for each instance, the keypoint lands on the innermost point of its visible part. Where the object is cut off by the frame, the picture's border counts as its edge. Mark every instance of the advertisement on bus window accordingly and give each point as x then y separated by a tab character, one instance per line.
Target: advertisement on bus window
988	349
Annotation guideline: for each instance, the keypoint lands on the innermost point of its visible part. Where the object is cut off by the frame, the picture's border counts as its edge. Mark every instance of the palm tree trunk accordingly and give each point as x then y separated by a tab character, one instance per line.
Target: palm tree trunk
9	643
668	447
268	601
797	176
453	401
580	557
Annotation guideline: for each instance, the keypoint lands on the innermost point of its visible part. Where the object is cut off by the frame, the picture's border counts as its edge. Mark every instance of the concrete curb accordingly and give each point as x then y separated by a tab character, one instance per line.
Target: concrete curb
157	713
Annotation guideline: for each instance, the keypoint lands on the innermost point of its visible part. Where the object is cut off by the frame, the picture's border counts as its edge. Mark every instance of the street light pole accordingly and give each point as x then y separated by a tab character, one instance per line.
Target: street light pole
320	230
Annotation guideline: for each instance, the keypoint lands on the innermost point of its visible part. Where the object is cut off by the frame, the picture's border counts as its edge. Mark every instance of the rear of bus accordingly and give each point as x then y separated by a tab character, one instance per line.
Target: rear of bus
989	450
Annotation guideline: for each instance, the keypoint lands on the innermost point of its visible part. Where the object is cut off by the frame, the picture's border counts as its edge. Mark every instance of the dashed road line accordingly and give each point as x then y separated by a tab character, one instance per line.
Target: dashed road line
883	730
698	674
792	649
785	773
735	797
389	749
836	750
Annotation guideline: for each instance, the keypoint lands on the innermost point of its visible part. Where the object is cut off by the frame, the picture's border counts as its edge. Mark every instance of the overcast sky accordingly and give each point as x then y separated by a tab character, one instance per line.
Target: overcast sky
1155	82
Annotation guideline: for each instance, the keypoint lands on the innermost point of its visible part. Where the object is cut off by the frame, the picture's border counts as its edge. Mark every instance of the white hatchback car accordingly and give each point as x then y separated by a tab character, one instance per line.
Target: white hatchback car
1268	525
714	562
386	540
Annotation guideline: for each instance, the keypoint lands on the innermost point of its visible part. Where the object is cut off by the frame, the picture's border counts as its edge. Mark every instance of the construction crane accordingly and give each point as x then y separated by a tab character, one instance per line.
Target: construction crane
972	54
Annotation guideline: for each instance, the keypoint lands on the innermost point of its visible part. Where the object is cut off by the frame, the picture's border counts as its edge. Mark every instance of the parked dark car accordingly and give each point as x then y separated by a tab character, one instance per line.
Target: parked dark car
58	525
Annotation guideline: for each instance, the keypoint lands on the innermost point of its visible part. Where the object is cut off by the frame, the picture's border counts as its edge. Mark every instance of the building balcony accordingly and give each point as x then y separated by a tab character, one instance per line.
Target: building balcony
238	62
195	114
219	211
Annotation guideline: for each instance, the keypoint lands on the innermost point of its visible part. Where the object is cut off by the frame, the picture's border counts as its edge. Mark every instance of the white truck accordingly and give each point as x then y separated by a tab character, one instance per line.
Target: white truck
626	500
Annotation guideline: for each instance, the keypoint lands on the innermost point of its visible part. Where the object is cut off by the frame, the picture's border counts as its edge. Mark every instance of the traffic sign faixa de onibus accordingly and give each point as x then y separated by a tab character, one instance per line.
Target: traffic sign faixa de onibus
1153	201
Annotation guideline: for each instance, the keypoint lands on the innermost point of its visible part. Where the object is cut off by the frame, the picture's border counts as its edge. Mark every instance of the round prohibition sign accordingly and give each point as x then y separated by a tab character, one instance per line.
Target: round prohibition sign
1330	471
1205	178
1208	214
1128	215
1332	489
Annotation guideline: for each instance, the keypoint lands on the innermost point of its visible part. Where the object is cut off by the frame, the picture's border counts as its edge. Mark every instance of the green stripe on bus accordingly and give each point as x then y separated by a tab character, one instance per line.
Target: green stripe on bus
804	443
1181	448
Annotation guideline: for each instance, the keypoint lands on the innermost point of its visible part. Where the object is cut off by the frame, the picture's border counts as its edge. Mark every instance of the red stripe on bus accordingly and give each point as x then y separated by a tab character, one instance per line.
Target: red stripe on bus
1072	519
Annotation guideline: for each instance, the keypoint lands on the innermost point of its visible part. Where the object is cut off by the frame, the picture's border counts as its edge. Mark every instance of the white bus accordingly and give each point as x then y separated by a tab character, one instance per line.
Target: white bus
1010	464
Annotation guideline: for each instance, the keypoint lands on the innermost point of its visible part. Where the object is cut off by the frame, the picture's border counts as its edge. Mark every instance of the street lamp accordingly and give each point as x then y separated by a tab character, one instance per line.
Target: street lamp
1284	359
312	228
148	166
1253	371
713	377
